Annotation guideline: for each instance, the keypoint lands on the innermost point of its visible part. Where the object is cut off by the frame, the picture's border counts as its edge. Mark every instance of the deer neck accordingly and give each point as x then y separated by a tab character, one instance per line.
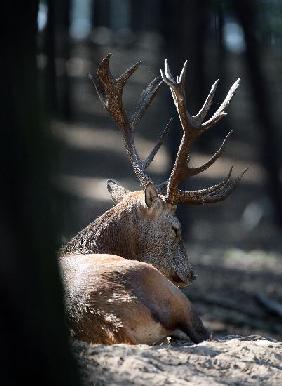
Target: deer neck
114	232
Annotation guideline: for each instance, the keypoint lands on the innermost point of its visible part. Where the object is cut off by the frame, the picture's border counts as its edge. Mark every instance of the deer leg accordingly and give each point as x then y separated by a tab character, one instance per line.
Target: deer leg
193	326
168	306
184	318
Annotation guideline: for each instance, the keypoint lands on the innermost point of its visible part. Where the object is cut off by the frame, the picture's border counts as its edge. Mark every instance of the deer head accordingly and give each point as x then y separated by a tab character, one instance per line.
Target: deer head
143	224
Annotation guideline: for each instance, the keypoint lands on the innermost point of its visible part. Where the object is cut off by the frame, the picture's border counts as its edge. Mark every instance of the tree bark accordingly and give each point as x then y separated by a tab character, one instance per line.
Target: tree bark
246	12
184	28
63	48
34	342
50	52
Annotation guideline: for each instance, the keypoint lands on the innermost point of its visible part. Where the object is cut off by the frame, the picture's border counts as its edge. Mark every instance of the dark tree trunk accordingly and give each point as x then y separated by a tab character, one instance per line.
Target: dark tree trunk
221	56
50	52
184	27
185	31
34	342
63	48
137	15
101	13
270	152
145	15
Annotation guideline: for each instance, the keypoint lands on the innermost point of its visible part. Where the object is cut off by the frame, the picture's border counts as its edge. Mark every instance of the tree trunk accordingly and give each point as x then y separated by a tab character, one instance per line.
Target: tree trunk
270	152
63	47
50	52
184	26
34	342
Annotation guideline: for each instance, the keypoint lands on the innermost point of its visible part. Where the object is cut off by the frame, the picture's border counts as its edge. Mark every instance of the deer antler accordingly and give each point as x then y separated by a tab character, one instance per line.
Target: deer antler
193	127
110	91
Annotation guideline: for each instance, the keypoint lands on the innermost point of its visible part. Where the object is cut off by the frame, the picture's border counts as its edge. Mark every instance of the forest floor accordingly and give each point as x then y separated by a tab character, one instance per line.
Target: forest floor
232	360
238	291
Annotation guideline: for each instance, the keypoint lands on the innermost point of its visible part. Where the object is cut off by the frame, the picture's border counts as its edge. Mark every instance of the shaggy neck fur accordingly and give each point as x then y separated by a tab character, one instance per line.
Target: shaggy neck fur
115	232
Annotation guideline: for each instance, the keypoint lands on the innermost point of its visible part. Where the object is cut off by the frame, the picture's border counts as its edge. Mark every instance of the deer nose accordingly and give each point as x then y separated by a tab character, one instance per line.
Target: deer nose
177	279
183	280
192	276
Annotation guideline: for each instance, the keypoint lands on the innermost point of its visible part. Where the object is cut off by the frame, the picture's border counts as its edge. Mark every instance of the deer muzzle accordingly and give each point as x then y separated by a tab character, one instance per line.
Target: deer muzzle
182	280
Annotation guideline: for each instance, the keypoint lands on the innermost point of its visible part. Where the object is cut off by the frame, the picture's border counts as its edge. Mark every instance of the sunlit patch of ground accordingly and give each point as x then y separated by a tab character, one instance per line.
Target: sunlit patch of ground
233	360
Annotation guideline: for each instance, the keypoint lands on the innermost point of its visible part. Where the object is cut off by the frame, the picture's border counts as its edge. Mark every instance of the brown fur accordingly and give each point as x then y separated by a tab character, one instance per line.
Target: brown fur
112	300
135	231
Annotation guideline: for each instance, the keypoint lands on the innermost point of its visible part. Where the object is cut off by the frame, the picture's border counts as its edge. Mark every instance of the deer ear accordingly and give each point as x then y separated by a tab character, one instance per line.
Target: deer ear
150	194
116	191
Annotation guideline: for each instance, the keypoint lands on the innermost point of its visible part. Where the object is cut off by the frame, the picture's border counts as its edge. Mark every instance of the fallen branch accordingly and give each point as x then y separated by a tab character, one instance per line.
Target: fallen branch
228	304
238	314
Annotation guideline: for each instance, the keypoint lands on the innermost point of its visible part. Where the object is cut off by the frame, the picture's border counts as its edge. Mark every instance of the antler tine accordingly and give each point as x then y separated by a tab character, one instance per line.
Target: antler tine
168	72
146	98
213	194
211	161
193	127
110	91
198	119
220	113
123	78
155	149
182	77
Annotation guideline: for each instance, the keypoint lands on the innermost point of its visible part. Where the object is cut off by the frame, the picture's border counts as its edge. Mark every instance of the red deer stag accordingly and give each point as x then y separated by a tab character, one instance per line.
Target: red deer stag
121	271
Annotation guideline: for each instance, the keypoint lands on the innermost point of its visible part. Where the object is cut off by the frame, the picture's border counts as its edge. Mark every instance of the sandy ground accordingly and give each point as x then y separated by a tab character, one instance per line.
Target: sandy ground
232	360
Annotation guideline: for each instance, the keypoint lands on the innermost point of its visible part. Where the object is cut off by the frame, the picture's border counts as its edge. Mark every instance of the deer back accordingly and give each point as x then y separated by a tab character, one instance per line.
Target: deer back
113	300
